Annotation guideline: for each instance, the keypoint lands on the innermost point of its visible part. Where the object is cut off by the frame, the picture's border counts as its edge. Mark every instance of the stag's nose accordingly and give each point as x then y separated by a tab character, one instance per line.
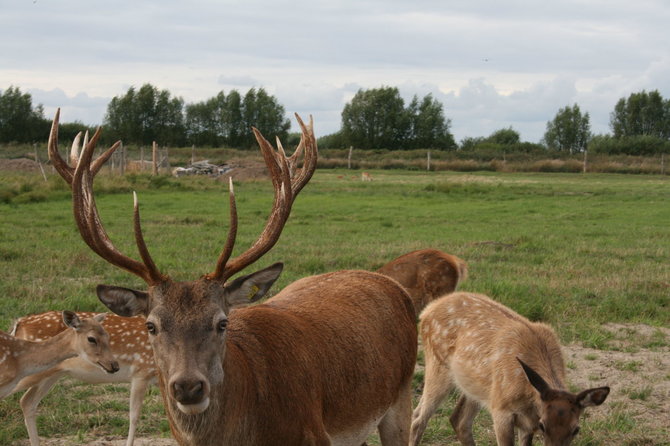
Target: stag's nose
188	391
115	367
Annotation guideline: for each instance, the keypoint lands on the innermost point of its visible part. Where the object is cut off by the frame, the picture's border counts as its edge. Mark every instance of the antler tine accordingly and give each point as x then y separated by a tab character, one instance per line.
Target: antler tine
154	274
308	142
74	150
62	167
278	169
285	191
232	234
59	164
85	211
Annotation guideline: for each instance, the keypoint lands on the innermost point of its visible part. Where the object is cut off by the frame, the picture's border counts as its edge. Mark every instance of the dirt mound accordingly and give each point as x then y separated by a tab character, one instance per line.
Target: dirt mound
19	164
245	170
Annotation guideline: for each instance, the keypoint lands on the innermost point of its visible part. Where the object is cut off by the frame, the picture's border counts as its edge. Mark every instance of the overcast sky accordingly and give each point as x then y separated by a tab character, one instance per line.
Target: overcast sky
492	64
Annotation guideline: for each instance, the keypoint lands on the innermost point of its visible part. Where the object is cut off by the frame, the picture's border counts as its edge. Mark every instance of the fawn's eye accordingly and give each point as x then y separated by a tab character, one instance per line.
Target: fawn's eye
151	328
542	426
92	340
221	325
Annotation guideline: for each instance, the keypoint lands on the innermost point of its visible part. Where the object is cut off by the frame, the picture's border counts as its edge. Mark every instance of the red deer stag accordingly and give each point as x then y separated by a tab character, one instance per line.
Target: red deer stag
500	360
20	358
323	362
129	343
426	274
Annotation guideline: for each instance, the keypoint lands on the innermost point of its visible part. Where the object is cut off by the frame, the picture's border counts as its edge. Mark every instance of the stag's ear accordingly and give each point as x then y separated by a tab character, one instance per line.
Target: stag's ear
535	380
123	301
71	319
247	289
593	397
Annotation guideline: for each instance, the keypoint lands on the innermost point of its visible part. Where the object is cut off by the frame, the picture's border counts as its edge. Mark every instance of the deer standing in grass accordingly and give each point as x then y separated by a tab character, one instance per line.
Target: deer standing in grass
128	341
324	362
426	274
497	359
86	338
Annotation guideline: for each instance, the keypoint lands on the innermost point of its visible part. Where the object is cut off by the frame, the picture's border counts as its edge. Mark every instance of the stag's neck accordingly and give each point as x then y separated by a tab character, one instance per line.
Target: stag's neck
36	357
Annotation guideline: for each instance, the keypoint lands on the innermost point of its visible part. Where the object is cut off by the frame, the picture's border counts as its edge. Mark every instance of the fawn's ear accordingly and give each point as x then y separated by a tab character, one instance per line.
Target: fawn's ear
593	397
100	317
536	380
123	301
71	319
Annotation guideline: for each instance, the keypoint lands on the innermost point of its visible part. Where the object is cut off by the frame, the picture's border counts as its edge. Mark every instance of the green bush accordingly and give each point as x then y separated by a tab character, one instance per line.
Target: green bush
629	145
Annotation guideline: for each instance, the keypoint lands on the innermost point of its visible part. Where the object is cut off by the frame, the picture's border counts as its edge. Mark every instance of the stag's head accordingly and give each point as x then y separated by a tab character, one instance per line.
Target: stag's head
186	320
560	410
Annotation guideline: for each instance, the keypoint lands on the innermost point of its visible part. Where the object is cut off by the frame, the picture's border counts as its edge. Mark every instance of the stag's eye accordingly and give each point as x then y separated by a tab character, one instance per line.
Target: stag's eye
576	431
221	325
151	328
92	340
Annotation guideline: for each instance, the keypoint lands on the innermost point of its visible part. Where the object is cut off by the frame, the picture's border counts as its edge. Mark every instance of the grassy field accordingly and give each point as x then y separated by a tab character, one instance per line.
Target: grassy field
576	251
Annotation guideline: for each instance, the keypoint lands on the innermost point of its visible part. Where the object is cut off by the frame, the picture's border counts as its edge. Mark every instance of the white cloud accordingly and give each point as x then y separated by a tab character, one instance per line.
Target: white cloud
492	64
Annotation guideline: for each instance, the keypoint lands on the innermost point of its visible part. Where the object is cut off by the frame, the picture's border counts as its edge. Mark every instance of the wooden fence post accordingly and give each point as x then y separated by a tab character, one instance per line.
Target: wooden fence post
154	159
37	160
428	161
585	156
351	148
122	164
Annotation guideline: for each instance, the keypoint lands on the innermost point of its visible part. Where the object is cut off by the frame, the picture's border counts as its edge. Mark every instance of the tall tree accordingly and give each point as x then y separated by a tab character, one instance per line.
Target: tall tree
642	113
228	119
570	130
506	136
147	115
376	118
19	120
235	122
206	122
429	127
262	111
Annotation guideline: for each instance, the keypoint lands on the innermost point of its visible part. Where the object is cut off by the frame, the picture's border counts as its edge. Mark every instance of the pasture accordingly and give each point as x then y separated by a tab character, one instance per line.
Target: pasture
588	254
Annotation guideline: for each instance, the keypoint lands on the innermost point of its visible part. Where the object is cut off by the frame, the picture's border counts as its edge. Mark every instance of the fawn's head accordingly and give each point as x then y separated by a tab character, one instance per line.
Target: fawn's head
91	340
560	410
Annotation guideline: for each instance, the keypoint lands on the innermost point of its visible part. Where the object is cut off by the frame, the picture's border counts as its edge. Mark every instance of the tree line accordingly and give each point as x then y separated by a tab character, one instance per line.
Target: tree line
376	118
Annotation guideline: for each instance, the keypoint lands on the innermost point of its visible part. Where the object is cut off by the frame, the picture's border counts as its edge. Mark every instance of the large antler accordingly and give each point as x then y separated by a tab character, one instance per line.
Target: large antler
80	179
287	181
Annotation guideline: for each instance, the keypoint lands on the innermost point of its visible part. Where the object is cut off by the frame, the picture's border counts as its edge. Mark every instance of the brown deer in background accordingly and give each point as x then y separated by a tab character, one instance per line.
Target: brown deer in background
129	343
500	360
20	358
426	274
325	361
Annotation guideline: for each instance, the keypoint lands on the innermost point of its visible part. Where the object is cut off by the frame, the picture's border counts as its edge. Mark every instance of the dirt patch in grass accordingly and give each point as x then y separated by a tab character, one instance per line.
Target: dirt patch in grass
245	169
18	165
637	369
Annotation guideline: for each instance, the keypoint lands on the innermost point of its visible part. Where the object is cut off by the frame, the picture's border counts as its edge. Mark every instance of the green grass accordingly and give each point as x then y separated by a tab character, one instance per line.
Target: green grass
572	250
